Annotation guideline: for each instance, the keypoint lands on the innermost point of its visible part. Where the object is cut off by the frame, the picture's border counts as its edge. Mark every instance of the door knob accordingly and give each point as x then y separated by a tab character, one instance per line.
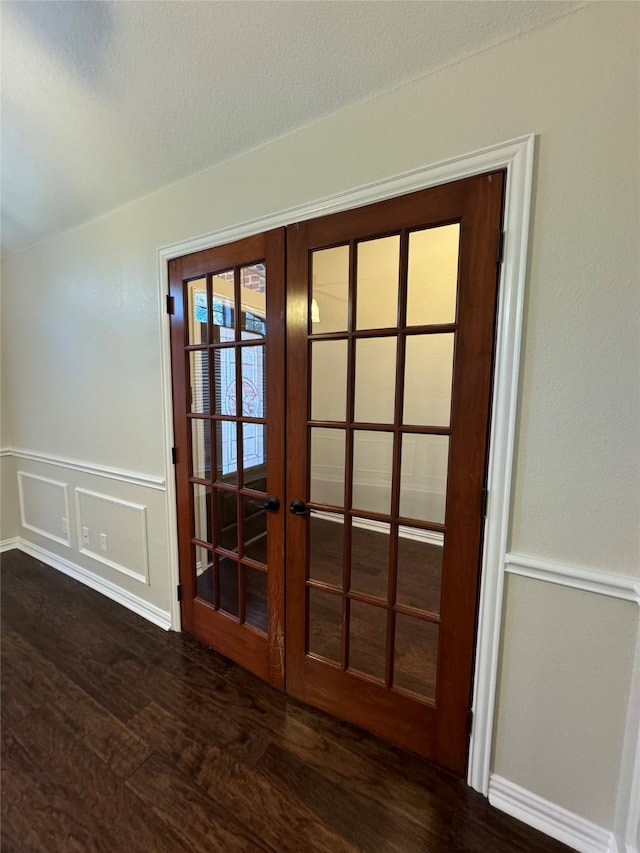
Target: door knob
298	507
272	504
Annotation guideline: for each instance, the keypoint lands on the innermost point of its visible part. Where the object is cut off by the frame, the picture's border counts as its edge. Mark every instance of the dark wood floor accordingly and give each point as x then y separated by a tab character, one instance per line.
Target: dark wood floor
118	736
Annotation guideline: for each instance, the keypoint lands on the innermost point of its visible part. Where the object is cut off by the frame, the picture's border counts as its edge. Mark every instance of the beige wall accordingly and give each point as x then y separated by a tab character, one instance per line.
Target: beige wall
81	342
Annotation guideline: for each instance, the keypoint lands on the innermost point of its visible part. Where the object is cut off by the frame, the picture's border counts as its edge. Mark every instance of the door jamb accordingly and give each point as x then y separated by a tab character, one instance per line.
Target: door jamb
516	156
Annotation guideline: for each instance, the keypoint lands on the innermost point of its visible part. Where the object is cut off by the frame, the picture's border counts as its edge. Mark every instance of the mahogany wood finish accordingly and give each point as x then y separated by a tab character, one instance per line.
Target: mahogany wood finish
437	730
229	633
120	737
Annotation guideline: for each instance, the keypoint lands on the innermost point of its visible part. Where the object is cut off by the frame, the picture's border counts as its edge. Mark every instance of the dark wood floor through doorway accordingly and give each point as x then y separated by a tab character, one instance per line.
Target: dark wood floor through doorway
118	736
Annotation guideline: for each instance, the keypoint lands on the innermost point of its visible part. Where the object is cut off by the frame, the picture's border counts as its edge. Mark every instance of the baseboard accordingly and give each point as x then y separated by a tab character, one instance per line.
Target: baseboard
553	820
161	618
9	544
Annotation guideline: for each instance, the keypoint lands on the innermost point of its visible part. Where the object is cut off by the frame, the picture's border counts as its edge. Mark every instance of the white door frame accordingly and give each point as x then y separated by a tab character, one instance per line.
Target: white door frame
516	156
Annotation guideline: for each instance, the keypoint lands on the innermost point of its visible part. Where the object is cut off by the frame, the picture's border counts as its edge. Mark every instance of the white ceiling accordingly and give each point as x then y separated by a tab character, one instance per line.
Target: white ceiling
105	101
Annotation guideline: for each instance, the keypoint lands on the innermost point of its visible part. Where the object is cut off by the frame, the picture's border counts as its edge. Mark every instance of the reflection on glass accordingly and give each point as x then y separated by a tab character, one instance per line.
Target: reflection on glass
197	311
202	512
222	312
203	566
427	379
226	520
419	569
375	380
253	295
255	598
328	380
329	301
368	638
377	291
255	529
423	477
224	380
433	275
201	449
326	534
199	381
372	464
325	624
416	656
254	456
253	382
369	558
227	452
228	580
327	466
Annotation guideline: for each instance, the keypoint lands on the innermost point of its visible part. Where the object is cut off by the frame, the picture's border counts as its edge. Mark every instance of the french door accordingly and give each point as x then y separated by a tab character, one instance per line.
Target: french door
390	316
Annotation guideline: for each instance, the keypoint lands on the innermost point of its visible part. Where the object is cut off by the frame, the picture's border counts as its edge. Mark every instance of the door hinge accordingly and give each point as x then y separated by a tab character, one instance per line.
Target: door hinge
179	592
500	248
174	455
171	305
484	501
469	722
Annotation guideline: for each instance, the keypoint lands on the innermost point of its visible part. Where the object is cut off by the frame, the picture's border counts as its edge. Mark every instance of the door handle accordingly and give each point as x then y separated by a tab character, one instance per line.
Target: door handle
272	504
298	507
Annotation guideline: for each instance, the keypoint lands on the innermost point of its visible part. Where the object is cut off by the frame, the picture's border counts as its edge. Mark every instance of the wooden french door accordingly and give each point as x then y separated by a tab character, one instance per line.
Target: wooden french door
227	351
390	350
390	315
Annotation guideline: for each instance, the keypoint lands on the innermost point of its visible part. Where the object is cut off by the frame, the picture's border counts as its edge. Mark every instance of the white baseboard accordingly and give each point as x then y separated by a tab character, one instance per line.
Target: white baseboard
9	544
553	820
161	618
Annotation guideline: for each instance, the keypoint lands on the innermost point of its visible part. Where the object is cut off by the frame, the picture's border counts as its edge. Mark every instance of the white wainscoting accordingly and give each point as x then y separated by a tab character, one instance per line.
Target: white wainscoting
44	507
118	474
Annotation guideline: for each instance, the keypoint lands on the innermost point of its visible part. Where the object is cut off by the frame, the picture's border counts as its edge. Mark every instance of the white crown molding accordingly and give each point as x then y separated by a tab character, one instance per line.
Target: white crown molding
132	477
553	820
161	618
603	583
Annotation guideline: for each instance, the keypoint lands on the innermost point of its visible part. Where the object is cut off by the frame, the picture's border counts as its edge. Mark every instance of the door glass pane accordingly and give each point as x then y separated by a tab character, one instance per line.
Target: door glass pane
253	382
372	463
201	449
224	380
197	311
227	451
222	313
203	559
199	381
325	624
255	530
326	537
253	295
254	456
375	380
228	578
419	568
202	512
423	477
327	466
255	598
427	380
416	656
368	638
227	520
369	557
377	291
433	275
328	307
328	380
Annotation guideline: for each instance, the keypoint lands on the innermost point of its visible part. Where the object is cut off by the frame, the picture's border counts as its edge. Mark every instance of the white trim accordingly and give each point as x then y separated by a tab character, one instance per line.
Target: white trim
119	474
9	544
161	618
23	517
576	577
553	820
94	555
516	156
626	824
430	537
6	451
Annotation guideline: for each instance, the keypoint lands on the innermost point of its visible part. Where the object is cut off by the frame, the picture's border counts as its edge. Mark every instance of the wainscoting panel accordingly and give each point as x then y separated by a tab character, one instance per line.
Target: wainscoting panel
44	507
114	532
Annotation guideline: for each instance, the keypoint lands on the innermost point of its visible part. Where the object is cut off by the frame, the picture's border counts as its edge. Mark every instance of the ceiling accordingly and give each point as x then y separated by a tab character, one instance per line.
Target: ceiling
105	101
